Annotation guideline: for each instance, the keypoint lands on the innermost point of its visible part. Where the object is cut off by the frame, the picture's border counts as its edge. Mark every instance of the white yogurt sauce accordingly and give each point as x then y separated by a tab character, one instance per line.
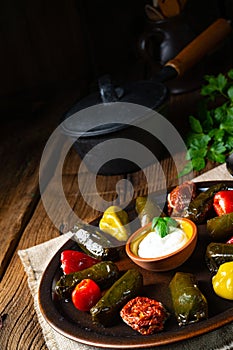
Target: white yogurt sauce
153	246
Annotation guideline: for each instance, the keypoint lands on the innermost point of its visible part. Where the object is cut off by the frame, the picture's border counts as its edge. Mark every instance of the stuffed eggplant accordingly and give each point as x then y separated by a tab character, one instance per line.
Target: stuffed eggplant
200	207
189	304
147	209
217	254
220	228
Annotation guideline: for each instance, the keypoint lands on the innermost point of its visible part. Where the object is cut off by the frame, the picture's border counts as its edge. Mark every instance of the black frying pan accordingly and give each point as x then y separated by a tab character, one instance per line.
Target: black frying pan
149	93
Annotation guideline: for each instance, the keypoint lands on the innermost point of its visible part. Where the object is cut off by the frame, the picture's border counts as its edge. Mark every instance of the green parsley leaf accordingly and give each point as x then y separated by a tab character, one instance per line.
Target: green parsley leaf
220	158
221	82
217	134
216	84
230	74
216	157
199	141
230	92
220	113
186	170
227	124
196	153
230	111
211	134
198	163
208	122
195	124
218	147
229	142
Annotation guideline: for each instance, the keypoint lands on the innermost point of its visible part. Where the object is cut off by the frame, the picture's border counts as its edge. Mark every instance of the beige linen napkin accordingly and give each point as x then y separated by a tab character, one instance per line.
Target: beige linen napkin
35	260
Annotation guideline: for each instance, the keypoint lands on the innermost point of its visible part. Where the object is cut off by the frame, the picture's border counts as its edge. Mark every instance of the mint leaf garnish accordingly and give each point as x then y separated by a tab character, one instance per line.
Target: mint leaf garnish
162	224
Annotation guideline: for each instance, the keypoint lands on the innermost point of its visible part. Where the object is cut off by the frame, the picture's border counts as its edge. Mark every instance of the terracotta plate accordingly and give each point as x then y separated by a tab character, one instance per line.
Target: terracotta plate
76	325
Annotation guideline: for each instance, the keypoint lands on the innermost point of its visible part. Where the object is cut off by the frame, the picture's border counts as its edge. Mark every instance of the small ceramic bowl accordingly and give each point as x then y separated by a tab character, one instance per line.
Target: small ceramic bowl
166	262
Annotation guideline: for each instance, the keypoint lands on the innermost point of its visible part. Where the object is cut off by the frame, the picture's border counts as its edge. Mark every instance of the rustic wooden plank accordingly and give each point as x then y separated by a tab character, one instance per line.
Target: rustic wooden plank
21	329
20	153
15	211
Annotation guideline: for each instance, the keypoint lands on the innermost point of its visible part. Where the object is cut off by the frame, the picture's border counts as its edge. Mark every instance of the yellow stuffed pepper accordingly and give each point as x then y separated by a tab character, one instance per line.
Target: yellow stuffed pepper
114	221
223	281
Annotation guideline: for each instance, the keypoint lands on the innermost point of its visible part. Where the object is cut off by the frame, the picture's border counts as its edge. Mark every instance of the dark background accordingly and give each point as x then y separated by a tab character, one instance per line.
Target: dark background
53	46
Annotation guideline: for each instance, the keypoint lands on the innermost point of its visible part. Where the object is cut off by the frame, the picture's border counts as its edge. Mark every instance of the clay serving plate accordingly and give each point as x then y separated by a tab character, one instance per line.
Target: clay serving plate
78	326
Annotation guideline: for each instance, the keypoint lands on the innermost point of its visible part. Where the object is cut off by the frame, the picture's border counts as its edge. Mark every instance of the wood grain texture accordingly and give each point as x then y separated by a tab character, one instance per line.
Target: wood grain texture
20	153
21	329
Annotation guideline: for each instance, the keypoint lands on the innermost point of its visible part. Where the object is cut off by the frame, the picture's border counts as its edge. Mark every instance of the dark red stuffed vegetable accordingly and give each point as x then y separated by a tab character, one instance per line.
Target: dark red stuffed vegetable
223	202
74	261
230	241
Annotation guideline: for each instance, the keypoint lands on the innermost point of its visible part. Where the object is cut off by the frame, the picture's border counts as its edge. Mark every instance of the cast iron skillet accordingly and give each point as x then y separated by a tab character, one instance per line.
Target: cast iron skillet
149	93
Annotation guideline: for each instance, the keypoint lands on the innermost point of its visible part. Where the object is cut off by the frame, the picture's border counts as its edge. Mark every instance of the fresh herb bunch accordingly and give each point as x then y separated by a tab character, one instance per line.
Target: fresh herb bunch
211	136
162	225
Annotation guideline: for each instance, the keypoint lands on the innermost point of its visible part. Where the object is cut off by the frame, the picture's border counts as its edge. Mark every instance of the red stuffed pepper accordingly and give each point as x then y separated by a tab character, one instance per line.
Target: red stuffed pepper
223	202
74	261
230	241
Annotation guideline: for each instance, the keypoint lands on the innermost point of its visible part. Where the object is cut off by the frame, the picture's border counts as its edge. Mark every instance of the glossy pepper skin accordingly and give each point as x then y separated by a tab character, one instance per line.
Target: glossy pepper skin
223	281
114	222
86	294
223	202
74	261
230	241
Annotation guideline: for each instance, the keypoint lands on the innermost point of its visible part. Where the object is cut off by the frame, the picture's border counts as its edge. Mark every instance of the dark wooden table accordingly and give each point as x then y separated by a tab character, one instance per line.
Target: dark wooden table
24	221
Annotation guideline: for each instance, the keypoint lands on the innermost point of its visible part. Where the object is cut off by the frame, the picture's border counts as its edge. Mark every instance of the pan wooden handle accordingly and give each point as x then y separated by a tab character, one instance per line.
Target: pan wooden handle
200	46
